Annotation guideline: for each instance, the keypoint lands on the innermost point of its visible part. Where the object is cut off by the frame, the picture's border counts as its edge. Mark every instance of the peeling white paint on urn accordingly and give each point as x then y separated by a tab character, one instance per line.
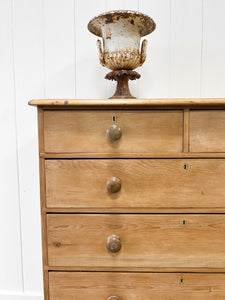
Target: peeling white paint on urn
121	32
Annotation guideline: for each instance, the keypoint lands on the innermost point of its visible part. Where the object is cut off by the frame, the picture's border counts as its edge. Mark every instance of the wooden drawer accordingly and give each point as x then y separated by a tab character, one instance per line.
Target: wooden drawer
144	183
146	241
86	131
136	286
207	131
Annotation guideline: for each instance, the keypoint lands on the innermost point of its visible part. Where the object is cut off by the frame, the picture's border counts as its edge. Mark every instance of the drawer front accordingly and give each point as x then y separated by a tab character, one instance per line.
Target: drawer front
207	131
146	183
141	286
86	131
145	241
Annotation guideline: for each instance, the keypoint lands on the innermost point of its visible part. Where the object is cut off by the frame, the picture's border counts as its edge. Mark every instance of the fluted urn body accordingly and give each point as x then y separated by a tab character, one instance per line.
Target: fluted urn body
121	32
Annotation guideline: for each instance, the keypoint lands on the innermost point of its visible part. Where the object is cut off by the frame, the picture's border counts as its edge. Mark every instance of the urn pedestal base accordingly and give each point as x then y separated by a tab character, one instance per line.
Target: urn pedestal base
122	77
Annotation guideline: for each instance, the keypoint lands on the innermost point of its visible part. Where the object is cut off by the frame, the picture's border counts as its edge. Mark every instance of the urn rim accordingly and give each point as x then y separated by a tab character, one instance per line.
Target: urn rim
145	23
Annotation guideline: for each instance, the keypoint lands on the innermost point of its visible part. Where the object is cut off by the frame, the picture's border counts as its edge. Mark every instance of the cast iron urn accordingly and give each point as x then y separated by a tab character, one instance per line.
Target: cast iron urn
121	32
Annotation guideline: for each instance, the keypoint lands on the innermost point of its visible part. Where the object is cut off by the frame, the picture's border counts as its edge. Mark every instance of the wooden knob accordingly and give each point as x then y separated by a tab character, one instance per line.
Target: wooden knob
114	133
113	298
113	185
113	243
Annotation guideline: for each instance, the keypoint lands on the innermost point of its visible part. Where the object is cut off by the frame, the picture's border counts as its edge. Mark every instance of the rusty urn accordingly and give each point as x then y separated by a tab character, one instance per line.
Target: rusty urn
121	50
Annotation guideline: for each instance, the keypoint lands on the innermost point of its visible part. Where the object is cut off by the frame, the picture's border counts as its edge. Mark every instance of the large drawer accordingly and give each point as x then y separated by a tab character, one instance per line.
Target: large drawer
135	183
136	286
207	130
86	131
136	241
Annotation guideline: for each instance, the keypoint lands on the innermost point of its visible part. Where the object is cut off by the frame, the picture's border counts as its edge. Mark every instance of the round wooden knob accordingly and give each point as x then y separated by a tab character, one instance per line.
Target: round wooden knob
114	133
113	185
113	298
113	243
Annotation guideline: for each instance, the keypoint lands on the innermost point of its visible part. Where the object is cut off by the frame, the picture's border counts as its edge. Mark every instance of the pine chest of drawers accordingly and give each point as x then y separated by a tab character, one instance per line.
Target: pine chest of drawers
132	198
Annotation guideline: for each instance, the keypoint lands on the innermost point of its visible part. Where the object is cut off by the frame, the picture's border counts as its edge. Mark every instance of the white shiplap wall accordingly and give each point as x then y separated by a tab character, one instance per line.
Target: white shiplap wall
46	51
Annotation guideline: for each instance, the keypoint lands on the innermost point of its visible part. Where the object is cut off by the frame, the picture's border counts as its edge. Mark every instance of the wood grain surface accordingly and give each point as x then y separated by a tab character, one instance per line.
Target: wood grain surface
207	131
85	131
133	286
163	241
130	103
135	155
154	183
43	202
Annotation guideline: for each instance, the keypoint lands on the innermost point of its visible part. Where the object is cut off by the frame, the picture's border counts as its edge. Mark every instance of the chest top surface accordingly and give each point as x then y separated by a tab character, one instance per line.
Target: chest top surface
206	103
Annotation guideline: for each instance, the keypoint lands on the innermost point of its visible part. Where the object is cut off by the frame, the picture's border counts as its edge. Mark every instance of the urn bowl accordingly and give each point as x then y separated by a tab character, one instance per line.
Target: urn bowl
121	32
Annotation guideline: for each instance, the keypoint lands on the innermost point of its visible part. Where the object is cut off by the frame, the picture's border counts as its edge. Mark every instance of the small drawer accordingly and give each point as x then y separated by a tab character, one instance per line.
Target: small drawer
172	241
133	286
135	183
207	131
112	131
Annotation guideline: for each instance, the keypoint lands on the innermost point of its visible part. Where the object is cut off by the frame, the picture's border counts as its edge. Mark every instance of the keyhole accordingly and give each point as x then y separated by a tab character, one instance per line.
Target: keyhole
185	167
184	222
181	280
114	118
